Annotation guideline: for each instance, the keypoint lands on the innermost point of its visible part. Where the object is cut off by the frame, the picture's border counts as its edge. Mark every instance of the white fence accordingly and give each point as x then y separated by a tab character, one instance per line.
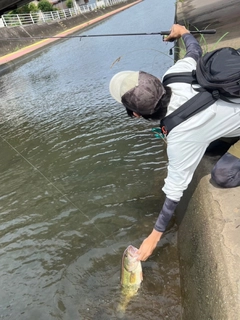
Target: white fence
13	20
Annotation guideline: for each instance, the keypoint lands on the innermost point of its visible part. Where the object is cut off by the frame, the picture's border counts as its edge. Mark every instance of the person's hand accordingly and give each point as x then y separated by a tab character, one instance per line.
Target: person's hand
148	245
176	32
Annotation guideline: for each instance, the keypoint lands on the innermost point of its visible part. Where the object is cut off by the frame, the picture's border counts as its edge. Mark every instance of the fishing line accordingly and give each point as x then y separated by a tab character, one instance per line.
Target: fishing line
97	259
55	187
129	52
67	198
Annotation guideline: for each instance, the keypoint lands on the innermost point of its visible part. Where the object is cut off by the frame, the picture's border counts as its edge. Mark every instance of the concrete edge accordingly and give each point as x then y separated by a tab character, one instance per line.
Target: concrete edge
209	236
209	263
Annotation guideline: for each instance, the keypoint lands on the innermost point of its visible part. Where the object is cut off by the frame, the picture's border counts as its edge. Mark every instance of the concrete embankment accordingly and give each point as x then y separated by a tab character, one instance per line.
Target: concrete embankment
208	216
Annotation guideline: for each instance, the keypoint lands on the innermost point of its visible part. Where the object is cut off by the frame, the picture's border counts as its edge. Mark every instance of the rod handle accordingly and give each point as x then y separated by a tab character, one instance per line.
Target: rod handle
207	31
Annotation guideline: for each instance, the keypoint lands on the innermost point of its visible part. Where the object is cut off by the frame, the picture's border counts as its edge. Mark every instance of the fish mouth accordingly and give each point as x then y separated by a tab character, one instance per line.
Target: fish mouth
132	251
131	262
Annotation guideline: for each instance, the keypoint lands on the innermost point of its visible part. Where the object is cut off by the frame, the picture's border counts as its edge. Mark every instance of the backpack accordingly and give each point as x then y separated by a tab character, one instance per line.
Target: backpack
217	73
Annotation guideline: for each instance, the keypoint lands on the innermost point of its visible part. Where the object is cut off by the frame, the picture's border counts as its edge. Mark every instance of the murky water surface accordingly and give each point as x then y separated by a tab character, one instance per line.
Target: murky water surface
80	181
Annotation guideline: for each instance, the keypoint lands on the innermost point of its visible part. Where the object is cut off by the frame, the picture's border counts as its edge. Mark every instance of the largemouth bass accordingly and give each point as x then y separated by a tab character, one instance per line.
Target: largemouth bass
131	278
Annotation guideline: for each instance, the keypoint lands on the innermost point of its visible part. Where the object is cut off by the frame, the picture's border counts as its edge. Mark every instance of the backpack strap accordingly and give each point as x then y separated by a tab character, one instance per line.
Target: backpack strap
224	98
197	103
216	82
186	77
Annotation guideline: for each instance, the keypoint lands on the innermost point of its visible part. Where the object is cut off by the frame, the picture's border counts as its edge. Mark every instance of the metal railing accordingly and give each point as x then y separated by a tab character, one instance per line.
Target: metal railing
13	20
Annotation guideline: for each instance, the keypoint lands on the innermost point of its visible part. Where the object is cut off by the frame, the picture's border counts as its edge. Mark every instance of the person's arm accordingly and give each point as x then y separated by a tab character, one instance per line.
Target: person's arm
150	243
165	215
184	156
194	51
193	48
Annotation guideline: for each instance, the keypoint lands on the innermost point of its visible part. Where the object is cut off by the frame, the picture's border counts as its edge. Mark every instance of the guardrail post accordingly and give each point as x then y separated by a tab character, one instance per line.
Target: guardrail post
19	20
1	23
32	18
41	16
4	21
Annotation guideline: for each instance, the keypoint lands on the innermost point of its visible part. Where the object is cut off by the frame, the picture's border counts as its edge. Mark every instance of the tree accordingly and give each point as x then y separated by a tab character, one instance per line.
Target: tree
32	7
45	6
69	3
23	9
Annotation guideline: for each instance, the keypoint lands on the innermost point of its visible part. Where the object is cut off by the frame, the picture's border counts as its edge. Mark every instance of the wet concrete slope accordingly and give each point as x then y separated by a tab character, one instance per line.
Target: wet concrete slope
215	14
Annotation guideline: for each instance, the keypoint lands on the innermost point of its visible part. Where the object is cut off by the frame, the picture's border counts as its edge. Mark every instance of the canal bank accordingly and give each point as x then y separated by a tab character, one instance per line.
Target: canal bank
14	52
208	216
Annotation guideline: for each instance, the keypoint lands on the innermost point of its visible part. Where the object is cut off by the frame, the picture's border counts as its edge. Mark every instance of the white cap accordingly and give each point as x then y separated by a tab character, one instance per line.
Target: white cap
138	91
122	82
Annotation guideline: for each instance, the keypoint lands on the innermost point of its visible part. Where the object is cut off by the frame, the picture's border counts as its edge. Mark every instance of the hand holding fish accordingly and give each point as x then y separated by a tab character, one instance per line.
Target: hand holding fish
148	245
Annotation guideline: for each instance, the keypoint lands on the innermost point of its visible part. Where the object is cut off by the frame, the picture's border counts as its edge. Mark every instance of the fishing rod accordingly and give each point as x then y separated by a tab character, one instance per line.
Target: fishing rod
162	33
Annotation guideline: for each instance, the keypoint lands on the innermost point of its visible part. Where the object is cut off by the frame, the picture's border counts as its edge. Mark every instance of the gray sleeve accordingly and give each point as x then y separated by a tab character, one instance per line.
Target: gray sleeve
193	48
165	215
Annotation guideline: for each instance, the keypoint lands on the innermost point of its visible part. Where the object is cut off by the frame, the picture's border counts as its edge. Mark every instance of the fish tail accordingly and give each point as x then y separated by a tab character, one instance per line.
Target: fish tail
121	308
120	312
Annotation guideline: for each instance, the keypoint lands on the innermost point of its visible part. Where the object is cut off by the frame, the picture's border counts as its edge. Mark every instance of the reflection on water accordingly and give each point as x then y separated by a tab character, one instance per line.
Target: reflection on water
80	181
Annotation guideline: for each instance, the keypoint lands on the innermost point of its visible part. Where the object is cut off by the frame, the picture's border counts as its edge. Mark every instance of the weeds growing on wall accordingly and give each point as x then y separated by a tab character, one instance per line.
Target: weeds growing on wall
203	42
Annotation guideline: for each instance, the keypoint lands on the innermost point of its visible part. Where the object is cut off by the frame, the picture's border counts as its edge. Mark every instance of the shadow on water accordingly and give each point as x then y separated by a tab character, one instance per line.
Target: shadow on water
80	181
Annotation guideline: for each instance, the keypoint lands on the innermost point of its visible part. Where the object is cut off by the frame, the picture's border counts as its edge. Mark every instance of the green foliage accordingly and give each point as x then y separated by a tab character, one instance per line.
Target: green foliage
69	3
27	8
45	6
205	45
32	7
21	10
202	41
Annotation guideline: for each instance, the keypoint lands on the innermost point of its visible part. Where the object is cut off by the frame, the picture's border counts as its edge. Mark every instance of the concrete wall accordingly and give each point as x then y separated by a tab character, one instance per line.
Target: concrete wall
45	30
208	240
208	216
212	14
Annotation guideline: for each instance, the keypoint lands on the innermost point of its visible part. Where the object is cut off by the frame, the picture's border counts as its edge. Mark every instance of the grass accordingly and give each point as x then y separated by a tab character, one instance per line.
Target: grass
202	41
